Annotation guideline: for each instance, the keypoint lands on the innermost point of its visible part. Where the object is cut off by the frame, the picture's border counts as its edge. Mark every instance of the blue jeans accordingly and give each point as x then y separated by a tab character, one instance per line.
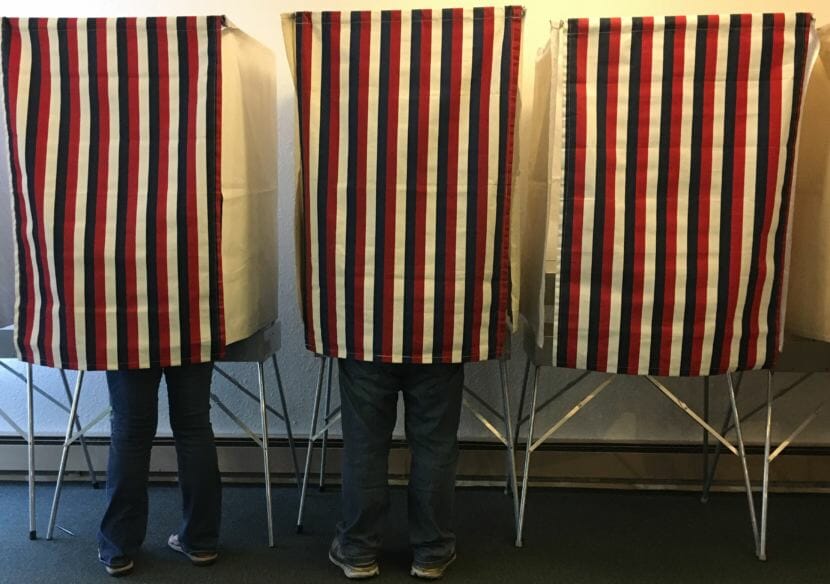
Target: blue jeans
134	401
432	398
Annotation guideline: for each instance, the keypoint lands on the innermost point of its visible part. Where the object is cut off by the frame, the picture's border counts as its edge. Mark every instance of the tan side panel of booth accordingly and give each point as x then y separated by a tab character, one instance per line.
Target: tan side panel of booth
249	185
808	305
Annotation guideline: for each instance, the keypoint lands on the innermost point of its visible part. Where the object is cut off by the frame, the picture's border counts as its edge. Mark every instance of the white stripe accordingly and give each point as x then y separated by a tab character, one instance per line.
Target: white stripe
463	164
372	194
684	175
434	105
22	119
749	184
588	253
142	303
715	201
619	196
339	266
492	183
50	172
203	243
400	193
84	139
650	239
110	265
172	190
787	78
314	140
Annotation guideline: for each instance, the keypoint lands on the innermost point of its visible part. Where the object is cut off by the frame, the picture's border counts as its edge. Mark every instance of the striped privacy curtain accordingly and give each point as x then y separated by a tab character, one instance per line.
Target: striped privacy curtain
114	135
406	123
679	139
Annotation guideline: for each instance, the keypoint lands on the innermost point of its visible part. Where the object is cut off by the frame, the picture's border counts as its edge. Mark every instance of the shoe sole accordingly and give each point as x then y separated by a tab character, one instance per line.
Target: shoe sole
353	573
425	575
120	571
196	561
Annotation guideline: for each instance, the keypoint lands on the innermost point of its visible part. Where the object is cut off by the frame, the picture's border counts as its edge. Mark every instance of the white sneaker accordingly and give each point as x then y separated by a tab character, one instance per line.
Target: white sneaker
197	558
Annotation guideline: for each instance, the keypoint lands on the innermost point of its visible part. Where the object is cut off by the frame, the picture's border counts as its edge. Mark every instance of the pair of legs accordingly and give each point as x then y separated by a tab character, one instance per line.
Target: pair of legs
432	397
134	401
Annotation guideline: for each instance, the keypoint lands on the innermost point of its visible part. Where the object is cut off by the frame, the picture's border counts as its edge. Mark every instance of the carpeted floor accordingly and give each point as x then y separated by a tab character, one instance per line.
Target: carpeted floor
571	537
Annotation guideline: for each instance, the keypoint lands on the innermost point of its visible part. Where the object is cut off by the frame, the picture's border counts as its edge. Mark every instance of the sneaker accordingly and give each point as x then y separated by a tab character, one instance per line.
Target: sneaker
432	571
196	558
351	571
120	566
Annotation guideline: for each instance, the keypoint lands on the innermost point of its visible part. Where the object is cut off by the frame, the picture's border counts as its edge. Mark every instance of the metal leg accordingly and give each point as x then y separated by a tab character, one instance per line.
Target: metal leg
705	434
324	442
312	431
82	439
742	455
288	429
266	463
528	452
73	415
710	475
762	551
30	402
519	417
508	433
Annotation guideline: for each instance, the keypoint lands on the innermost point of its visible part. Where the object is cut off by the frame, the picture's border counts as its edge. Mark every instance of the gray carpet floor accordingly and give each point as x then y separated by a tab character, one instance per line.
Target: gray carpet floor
571	537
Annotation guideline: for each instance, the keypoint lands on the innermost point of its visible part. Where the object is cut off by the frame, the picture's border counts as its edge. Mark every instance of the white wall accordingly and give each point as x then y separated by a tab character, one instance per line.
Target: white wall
629	410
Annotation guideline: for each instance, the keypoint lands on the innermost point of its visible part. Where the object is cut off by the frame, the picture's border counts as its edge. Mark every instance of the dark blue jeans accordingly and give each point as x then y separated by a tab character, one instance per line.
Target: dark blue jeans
134	401
369	397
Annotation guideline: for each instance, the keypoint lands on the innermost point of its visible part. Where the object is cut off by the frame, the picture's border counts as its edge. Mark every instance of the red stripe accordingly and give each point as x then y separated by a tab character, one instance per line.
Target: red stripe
100	359
579	190
192	201
610	191
27	271
331	196
161	207
772	156
704	194
421	186
672	194
360	219
305	96
514	20
483	183
738	164
71	194
43	111
640	196
391	181
132	195
452	184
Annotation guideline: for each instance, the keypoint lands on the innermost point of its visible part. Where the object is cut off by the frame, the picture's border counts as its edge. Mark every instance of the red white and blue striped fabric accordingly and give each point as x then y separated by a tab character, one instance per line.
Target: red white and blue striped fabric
680	139
406	125
114	141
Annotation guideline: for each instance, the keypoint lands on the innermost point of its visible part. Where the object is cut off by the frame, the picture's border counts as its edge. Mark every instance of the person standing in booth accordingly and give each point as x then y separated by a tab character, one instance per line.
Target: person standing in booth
134	401
369	395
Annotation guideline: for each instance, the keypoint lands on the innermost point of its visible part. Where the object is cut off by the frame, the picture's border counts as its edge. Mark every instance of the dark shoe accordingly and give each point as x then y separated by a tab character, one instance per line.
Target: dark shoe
120	566
196	558
351	570
431	571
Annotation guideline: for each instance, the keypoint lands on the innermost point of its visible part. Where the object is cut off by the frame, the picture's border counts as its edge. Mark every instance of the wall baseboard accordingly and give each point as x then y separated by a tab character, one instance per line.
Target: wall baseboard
645	466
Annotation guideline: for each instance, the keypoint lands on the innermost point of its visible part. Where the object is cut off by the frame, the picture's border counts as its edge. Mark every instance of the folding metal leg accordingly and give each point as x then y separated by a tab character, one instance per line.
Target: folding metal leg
30	401
742	455
287	419
709	477
508	432
67	442
324	442
528	452
311	433
519	416
89	465
266	463
762	546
